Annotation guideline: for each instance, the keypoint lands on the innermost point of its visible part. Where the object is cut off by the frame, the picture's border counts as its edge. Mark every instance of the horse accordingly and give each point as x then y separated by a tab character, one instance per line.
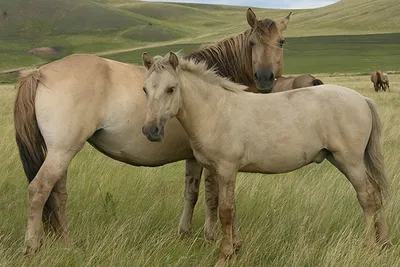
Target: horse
231	130
289	83
84	98
386	80
377	80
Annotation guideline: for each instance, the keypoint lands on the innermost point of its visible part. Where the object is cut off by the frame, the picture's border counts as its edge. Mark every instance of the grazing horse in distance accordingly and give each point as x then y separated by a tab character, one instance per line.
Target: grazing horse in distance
378	80
84	98
290	83
261	133
386	81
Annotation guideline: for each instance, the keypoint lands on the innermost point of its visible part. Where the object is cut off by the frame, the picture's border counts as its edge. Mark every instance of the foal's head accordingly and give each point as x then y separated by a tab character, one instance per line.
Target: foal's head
266	43
162	92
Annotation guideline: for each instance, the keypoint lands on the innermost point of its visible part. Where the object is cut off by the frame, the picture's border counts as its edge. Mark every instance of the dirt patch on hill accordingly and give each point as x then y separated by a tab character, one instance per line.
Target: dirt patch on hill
46	50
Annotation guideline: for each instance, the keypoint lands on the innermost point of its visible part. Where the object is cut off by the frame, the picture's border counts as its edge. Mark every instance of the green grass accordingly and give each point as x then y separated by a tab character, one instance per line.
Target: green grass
354	53
104	25
315	54
309	217
135	57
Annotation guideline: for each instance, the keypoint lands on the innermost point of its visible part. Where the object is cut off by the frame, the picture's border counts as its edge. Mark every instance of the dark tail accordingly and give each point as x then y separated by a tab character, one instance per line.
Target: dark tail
31	145
316	82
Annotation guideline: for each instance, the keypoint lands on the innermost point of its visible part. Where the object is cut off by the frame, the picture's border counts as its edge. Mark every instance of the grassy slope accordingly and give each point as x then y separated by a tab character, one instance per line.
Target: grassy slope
100	25
318	54
309	217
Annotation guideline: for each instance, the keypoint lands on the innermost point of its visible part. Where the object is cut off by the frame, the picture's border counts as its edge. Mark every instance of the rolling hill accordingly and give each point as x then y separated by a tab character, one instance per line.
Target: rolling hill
98	26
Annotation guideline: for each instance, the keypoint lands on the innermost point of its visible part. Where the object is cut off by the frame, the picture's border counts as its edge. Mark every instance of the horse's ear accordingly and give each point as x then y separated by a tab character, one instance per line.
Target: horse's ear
251	18
284	22
173	60
147	60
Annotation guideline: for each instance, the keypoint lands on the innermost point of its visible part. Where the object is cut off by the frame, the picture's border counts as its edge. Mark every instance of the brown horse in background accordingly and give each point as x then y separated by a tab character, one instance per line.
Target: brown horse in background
84	98
289	83
378	80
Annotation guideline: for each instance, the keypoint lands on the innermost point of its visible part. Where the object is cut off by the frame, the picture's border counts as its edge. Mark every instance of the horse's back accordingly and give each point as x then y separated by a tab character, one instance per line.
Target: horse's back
304	80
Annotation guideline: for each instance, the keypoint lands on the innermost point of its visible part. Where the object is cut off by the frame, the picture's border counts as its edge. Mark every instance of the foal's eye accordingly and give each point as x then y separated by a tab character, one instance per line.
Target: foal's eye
281	42
170	90
251	43
144	90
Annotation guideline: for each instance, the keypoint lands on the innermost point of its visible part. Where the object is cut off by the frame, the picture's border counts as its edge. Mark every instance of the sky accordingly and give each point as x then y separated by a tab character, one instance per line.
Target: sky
290	4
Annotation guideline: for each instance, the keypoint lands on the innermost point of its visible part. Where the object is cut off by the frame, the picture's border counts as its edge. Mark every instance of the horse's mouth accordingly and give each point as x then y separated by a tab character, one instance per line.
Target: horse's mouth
266	87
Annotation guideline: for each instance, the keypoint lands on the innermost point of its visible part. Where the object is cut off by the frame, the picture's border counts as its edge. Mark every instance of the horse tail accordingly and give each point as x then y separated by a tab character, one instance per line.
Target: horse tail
316	82
373	157
31	145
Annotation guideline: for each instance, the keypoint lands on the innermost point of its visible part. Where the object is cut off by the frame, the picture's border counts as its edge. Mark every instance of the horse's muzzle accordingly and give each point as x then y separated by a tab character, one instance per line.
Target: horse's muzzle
265	80
265	87
153	132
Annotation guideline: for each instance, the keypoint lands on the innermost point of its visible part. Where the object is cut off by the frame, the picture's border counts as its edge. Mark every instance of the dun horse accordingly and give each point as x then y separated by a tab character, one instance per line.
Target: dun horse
83	98
289	83
377	78
386	80
231	130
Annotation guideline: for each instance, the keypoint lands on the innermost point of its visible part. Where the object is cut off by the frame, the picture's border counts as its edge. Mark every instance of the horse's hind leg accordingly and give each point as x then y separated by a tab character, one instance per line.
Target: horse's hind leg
52	171
56	218
368	195
192	184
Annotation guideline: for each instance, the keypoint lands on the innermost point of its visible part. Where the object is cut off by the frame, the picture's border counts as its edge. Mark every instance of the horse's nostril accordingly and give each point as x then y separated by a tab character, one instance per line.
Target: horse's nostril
155	130
271	76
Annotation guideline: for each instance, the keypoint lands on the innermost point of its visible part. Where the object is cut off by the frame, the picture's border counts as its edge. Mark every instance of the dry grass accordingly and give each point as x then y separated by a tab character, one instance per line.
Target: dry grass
127	216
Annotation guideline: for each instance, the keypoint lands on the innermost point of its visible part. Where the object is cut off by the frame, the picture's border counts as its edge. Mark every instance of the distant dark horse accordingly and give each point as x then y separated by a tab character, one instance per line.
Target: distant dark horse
379	81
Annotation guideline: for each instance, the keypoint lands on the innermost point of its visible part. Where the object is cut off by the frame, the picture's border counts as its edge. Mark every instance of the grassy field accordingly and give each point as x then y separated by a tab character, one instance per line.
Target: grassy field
127	216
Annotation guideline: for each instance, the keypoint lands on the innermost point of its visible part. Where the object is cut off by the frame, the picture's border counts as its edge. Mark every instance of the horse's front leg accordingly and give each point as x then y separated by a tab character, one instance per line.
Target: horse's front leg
192	183
211	196
226	204
211	222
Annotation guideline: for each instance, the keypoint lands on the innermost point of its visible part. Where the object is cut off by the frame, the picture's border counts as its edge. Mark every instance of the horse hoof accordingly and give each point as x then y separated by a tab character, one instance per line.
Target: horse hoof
30	251
237	245
226	260
210	236
386	245
183	232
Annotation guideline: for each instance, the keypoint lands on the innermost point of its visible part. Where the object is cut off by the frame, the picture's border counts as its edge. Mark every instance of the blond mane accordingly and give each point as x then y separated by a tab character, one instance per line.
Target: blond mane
199	69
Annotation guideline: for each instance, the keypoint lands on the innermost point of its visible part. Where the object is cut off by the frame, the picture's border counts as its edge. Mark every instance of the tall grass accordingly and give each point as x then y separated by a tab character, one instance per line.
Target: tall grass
122	215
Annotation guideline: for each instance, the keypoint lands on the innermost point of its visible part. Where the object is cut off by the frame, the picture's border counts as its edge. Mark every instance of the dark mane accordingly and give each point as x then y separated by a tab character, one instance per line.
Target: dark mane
230	57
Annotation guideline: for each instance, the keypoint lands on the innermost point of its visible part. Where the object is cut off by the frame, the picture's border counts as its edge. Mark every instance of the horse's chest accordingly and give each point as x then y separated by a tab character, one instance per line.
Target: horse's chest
205	161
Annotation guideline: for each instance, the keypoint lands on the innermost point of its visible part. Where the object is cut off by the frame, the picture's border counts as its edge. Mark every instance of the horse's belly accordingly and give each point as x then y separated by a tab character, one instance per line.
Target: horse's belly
126	143
281	163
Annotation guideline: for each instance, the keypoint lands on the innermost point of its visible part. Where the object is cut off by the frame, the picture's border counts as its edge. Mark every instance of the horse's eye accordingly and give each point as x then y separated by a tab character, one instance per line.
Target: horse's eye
282	42
144	90
251	43
170	89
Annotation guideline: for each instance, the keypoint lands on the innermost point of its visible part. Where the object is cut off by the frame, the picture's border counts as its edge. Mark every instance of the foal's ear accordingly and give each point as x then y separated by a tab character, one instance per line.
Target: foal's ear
284	22
147	60
173	60
251	18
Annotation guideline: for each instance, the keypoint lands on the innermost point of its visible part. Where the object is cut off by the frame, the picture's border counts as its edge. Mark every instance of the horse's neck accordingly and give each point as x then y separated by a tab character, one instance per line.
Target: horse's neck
230	62
200	104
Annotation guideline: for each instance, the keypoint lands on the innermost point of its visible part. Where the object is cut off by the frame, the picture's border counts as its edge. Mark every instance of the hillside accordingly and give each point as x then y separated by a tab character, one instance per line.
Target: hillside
105	25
